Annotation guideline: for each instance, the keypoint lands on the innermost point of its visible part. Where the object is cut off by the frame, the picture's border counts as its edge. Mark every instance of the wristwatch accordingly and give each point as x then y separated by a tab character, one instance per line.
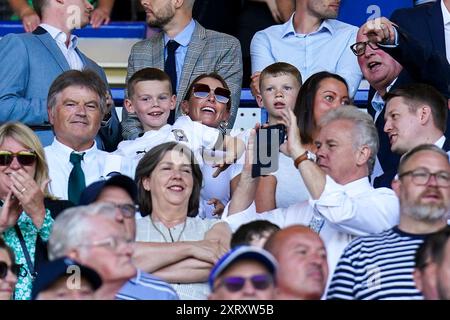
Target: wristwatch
308	155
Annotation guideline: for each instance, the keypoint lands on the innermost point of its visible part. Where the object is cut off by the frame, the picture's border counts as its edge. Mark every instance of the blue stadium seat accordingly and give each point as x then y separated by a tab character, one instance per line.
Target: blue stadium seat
113	30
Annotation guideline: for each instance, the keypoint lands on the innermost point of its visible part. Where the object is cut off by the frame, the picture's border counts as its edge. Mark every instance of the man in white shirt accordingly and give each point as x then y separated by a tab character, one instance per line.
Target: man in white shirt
76	106
31	61
343	204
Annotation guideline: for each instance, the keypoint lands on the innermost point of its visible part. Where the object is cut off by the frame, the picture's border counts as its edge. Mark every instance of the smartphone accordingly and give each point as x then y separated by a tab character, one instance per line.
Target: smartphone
267	148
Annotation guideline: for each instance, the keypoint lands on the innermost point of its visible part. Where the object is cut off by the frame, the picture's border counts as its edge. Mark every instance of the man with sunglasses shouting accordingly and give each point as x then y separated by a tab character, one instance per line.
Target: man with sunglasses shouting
389	57
244	273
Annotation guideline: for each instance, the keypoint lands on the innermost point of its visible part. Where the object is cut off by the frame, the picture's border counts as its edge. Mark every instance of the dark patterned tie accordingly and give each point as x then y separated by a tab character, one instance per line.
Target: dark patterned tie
171	69
77	181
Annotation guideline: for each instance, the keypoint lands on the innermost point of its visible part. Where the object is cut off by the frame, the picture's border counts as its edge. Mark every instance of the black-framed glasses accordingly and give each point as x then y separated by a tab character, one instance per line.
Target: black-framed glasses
25	158
203	91
421	177
235	284
359	48
127	210
17	269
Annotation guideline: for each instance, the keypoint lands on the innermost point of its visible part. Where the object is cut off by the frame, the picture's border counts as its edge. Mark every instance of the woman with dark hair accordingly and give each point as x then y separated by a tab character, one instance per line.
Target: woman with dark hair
208	101
9	271
320	93
172	242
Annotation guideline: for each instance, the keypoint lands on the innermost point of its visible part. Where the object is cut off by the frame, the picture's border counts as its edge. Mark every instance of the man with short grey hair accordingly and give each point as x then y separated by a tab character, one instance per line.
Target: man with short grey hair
92	235
342	202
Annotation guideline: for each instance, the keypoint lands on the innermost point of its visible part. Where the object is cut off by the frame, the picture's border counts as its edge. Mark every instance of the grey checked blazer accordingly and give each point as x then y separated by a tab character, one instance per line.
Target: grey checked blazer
209	51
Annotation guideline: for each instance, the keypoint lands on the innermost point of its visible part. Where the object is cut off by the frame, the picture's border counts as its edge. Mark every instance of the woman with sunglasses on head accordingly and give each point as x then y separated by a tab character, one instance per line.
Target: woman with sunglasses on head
25	222
208	100
173	243
9	271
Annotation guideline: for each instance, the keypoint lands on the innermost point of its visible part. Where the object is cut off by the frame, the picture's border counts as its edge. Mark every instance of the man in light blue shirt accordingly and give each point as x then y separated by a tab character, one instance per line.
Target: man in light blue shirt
312	40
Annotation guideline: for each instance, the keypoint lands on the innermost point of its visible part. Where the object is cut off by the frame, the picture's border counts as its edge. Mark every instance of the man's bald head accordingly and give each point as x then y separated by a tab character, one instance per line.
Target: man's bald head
302	261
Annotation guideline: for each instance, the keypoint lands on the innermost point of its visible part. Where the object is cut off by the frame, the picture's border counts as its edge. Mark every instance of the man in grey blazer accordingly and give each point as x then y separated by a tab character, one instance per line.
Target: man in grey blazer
31	61
200	51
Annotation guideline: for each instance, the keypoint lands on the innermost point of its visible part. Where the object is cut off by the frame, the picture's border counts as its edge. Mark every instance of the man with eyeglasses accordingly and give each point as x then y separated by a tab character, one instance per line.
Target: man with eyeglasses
244	273
92	236
120	191
415	114
380	267
389	57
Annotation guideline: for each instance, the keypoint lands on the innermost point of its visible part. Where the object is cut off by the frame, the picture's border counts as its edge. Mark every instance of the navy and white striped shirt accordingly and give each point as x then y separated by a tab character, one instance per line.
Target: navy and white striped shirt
377	267
145	286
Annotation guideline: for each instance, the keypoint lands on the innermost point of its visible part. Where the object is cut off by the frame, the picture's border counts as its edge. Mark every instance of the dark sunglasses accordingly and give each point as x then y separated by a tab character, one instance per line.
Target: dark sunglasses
235	284
203	91
25	158
359	48
17	269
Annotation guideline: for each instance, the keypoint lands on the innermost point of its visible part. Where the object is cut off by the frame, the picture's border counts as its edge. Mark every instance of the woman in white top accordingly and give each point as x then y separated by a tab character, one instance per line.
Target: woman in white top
172	243
208	100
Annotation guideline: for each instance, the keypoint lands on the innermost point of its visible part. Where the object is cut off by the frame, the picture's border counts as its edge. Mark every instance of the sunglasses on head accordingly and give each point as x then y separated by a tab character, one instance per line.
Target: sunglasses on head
25	158
203	91
16	269
235	284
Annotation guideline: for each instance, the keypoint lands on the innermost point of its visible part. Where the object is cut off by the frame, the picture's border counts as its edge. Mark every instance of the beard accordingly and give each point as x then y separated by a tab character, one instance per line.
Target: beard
418	210
164	16
427	212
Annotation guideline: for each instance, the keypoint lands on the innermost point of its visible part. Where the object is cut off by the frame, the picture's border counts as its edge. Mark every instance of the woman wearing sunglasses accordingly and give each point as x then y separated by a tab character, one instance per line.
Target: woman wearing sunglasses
9	271
172	241
24	219
208	100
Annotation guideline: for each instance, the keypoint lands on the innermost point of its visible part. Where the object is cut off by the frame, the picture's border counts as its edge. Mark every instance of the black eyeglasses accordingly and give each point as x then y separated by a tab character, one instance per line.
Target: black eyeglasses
127	210
203	91
235	284
25	158
421	177
359	48
17	269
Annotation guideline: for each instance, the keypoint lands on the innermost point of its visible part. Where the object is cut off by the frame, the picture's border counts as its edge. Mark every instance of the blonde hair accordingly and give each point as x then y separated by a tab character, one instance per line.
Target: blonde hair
25	136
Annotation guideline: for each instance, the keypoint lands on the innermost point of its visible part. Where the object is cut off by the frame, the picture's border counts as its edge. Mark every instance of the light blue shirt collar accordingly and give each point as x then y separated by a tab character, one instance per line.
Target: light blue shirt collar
58	35
184	37
289	29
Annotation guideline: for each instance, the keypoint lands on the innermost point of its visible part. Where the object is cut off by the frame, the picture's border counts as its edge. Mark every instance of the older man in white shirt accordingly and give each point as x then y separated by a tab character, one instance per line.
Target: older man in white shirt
76	106
343	204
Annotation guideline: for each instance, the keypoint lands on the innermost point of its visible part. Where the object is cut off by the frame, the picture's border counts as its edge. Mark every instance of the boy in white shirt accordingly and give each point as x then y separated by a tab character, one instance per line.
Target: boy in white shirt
279	86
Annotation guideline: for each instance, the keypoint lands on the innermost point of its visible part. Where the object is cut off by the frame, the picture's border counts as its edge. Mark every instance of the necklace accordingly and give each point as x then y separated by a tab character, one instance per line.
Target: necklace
168	229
